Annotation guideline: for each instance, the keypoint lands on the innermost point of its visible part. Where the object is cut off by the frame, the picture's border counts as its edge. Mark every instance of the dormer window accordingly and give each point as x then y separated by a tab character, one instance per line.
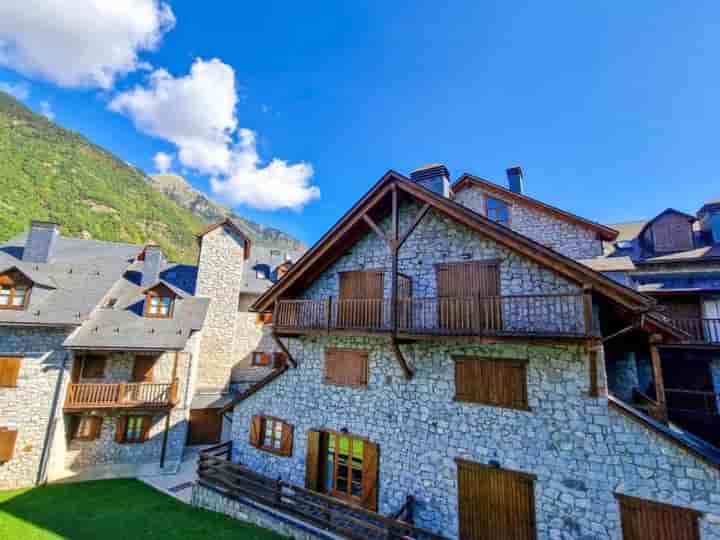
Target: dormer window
497	210
14	291
159	302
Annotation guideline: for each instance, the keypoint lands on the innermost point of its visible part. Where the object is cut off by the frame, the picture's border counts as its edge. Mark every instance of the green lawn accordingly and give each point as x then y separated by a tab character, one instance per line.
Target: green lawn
111	510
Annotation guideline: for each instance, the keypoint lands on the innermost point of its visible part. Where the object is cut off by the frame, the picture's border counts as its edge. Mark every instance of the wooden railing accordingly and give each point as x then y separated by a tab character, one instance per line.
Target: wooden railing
334	515
692	400
700	330
121	395
551	314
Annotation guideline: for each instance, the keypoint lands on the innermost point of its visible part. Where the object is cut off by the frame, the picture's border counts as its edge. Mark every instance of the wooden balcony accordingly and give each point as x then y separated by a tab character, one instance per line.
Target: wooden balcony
700	331
121	395
542	315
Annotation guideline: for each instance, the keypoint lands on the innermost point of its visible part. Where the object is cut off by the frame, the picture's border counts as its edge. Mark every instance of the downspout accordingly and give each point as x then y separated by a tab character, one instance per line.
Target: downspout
50	431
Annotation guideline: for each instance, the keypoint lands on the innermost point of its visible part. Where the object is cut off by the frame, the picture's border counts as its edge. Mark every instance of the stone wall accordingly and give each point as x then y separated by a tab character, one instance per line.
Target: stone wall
220	277
581	450
28	407
568	238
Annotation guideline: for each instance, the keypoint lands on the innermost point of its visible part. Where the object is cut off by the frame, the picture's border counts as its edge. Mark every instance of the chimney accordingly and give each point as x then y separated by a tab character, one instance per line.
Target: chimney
40	241
434	177
515	179
154	262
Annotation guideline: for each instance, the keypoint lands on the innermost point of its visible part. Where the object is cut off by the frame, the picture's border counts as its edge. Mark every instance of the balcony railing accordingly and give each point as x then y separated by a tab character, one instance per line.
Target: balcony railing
121	395
546	314
700	330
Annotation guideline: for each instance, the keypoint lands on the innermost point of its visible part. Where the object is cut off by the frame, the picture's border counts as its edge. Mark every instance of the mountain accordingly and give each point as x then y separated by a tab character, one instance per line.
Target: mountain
180	190
51	173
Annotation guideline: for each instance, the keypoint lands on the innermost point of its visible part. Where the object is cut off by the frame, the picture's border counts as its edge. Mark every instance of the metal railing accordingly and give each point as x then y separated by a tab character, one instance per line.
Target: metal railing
552	314
120	395
700	330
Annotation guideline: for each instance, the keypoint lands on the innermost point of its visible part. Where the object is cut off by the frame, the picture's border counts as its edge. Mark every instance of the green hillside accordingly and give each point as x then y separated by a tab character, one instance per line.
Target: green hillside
50	173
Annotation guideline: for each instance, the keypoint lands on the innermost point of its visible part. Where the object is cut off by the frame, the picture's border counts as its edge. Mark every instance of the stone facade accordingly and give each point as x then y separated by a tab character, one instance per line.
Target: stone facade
570	239
220	277
581	450
28	407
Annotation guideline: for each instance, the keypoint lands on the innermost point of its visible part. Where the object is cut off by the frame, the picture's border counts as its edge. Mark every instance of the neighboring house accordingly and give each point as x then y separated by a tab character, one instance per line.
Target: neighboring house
674	258
103	361
442	358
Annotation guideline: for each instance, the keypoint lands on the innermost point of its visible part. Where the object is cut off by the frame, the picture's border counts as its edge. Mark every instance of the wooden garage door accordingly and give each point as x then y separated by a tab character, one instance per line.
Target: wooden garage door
205	426
495	504
647	520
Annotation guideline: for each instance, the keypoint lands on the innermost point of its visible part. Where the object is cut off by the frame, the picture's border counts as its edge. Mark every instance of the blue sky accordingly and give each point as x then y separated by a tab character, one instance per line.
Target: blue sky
610	108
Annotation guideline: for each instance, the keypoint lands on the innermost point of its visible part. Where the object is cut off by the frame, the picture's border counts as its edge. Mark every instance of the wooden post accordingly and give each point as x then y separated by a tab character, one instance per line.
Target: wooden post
588	309
394	248
593	350
121	393
328	307
658	377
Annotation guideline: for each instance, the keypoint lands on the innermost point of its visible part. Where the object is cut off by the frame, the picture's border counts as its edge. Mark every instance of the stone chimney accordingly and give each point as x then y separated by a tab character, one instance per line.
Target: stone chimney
41	241
434	177
154	262
515	180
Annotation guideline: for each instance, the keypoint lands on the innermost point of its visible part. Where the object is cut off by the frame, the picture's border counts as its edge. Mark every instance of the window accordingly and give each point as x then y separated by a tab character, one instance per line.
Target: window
93	366
502	383
132	429
648	520
344	466
14	291
159	306
9	370
497	210
261	359
346	367
86	427
271	434
8	437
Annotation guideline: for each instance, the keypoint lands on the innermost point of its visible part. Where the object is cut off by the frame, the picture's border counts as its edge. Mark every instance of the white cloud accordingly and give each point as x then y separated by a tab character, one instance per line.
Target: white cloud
163	162
46	110
197	114
19	91
82	42
277	185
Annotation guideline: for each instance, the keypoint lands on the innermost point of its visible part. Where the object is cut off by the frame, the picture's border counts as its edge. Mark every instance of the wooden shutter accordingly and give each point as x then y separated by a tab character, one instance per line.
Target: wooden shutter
146	426
361	299
502	383
346	367
256	431
468	295
120	428
143	368
8	437
9	370
647	520
286	439
312	461
495	504
93	367
370	476
96	426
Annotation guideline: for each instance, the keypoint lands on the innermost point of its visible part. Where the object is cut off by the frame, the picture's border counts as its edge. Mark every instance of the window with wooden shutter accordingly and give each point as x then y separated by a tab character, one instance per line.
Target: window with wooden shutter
9	370
260	358
495	503
272	435
93	366
648	520
501	383
346	367
133	429
14	290
85	427
143	368
8	437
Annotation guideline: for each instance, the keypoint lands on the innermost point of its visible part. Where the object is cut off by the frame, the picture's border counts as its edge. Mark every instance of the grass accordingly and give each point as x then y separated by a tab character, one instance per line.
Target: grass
113	510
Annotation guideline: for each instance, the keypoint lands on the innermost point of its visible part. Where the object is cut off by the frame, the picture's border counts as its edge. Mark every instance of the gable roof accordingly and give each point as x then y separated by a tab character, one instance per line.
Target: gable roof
665	212
322	254
469	180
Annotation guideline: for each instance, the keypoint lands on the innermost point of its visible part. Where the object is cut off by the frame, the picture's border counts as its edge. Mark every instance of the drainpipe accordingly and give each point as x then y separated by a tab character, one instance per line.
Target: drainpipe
50	431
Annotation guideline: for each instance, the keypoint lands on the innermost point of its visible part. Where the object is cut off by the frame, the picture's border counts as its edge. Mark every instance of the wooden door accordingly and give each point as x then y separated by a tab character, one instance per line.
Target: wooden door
205	426
495	504
647	520
361	299
469	296
143	368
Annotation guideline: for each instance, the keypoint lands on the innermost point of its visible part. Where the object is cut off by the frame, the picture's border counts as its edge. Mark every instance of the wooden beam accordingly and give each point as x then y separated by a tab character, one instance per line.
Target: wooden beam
593	351
656	339
284	349
377	230
418	218
395	214
407	369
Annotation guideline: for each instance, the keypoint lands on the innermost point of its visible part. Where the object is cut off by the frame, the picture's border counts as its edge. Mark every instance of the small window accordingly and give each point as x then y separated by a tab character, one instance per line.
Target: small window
86	428
261	358
133	429
271	434
93	366
159	306
346	367
497	210
14	291
260	274
8	437
9	370
501	383
265	318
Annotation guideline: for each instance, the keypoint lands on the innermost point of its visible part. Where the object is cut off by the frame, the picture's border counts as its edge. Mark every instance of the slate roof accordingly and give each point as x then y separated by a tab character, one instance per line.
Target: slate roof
261	267
71	284
123	326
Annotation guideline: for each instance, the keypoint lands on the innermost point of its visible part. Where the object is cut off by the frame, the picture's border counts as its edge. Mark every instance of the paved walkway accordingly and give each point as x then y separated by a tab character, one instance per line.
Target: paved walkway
179	484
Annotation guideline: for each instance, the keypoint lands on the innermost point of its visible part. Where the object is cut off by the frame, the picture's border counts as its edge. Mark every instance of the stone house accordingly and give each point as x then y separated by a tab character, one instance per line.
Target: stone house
674	258
438	356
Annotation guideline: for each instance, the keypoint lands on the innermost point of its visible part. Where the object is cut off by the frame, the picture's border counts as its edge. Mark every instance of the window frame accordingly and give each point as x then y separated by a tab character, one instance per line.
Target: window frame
330	379
286	431
258	359
519	404
11	281
96	358
150	296
493	217
141	429
94	424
